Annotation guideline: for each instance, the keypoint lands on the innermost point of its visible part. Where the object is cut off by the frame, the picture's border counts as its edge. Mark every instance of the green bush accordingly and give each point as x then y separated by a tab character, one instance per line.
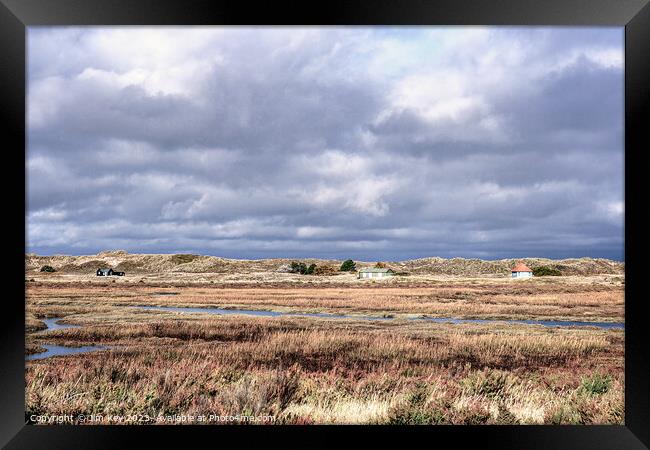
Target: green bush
545	271
296	267
301	268
48	269
596	384
348	266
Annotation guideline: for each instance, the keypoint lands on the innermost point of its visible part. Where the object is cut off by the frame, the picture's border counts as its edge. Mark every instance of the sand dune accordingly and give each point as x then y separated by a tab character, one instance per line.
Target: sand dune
186	263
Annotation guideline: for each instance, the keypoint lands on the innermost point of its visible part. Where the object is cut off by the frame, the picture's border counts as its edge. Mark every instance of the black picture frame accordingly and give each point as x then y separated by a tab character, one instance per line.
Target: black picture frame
634	15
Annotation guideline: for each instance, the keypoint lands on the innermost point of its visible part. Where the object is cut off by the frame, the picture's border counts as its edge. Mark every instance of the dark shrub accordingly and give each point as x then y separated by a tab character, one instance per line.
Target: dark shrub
325	270
48	269
299	267
310	269
545	271
348	266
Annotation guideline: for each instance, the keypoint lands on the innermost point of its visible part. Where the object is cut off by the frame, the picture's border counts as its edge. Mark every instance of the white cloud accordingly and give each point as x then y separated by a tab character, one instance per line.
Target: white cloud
45	98
387	141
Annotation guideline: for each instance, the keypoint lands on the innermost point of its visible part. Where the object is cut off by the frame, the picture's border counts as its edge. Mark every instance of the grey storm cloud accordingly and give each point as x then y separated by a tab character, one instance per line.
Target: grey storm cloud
372	143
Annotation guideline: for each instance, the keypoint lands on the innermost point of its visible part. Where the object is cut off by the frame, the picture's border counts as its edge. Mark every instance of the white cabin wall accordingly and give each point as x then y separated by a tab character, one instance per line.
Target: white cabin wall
522	275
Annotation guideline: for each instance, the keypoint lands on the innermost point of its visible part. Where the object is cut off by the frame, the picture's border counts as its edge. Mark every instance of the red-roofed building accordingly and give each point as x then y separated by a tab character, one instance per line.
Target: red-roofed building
521	270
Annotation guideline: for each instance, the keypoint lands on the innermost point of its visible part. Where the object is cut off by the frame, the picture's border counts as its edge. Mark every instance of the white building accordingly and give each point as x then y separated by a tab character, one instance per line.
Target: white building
521	270
375	272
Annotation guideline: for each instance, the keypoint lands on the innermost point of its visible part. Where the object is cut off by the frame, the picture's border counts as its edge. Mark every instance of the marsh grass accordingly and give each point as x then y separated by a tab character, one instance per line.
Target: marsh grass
300	375
565	301
305	370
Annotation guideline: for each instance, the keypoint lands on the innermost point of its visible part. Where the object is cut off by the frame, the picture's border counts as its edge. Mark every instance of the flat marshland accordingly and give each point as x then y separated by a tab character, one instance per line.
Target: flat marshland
302	370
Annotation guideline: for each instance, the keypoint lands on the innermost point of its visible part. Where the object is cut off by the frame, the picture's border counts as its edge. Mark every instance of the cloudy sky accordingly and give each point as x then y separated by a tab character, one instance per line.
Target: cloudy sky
376	143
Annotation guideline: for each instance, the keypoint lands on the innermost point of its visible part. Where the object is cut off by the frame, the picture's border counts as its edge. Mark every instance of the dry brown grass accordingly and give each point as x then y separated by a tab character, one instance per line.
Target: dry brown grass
307	370
505	300
345	375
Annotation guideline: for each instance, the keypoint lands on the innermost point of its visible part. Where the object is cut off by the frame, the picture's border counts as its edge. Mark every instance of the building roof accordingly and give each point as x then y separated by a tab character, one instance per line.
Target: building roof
375	270
521	267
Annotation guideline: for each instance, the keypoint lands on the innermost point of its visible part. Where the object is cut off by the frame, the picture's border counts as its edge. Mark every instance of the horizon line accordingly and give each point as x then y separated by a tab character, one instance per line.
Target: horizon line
332	259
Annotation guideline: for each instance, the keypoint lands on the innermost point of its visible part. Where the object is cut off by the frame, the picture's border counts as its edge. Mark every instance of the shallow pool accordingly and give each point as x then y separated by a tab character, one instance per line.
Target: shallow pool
53	324
251	312
57	350
60	350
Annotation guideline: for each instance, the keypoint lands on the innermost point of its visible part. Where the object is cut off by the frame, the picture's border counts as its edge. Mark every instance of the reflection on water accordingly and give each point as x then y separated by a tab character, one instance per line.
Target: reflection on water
52	324
547	323
252	312
58	350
